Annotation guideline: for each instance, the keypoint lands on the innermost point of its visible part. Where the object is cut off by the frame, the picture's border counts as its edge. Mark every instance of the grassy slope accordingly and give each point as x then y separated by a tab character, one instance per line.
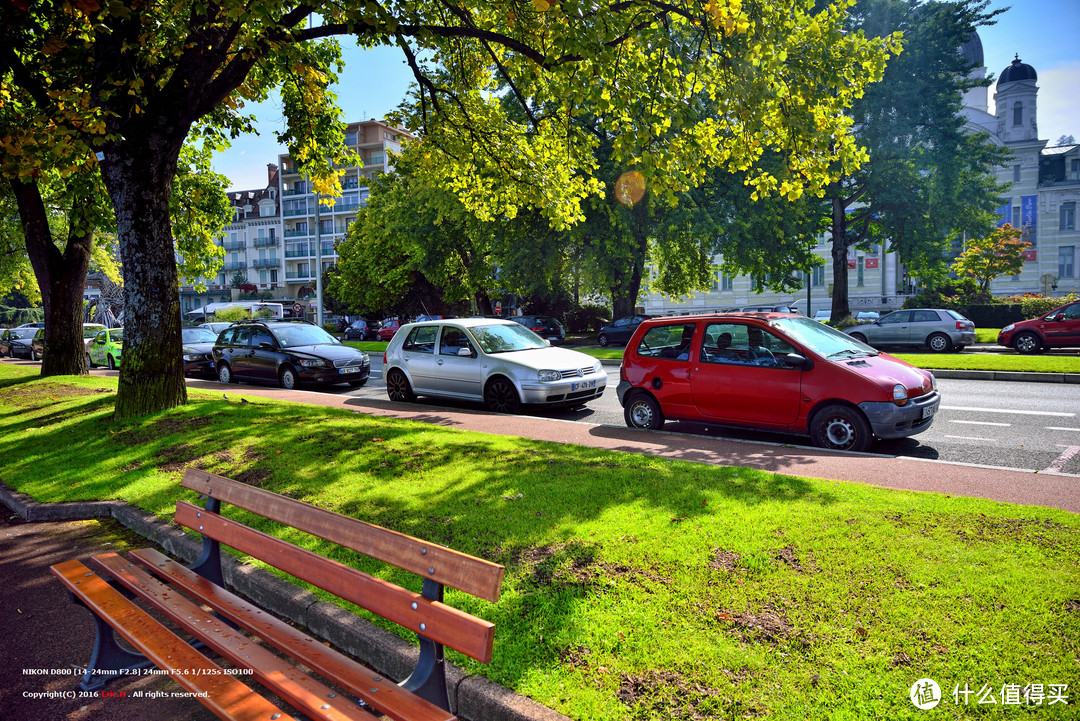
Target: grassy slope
637	587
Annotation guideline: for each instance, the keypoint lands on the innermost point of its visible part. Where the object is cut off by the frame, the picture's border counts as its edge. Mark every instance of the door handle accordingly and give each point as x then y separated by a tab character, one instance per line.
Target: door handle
439	362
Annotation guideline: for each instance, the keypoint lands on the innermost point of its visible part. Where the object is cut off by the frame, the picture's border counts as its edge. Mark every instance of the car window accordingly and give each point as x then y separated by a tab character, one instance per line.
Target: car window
1072	312
240	336
506	338
117	336
900	316
745	345
290	335
670	341
260	336
101	337
197	335
924	316
452	341
954	314
421	339
822	339
622	322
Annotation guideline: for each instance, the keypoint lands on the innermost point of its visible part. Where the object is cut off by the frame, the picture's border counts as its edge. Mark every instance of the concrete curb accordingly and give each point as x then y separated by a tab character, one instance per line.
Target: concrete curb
474	698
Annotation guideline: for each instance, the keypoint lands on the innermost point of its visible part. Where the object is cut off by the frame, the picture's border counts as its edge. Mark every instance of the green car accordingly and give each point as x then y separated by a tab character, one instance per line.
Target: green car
106	348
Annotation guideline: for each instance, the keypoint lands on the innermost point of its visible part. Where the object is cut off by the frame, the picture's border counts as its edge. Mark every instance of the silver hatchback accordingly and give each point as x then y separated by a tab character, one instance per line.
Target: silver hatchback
501	363
939	330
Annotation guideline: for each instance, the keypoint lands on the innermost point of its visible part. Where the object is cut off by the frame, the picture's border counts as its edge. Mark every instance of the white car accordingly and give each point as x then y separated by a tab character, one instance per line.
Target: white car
499	362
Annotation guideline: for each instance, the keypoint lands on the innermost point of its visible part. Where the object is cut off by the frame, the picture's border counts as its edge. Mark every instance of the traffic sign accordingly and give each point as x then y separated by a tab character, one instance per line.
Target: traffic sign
297	309
498	308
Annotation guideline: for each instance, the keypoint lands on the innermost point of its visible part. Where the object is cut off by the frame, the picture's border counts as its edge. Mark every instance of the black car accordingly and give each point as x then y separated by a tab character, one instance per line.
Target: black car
620	330
16	343
361	329
287	353
37	345
545	326
199	351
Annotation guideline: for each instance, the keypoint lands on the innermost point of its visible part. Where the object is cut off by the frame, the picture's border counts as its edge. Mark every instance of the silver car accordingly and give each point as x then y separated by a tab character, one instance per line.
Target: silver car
939	330
499	362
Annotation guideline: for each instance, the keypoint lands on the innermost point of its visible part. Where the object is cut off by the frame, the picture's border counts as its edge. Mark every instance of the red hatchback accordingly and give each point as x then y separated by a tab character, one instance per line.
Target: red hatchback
388	329
772	371
1060	328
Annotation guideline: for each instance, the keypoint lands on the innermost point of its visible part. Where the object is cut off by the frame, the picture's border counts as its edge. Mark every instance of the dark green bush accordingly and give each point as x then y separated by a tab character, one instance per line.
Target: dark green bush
10	317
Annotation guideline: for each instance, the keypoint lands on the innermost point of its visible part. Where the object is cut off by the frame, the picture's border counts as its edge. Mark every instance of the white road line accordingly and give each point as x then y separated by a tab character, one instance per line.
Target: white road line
982	423
1008	410
1060	428
1059	464
971	438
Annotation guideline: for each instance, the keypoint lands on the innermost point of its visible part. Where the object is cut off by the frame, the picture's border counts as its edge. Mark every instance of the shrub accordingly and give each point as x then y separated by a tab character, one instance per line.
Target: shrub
587	318
232	314
11	317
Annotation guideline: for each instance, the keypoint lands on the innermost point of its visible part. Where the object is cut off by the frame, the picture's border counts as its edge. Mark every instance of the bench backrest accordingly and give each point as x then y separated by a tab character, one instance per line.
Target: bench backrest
426	616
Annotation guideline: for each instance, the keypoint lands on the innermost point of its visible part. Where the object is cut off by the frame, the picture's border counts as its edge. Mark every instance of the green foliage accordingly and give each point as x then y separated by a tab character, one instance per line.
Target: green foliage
232	314
1033	305
999	253
10	317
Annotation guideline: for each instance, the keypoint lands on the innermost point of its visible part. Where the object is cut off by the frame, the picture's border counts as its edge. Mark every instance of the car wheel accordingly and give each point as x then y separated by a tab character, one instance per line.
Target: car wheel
859	337
1027	343
357	384
112	363
840	428
224	373
602	340
643	412
398	388
501	396
89	361
288	379
939	343
33	354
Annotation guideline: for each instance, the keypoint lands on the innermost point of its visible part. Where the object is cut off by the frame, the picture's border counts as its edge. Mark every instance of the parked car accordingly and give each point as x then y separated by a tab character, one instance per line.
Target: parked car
15	342
89	332
288	353
30	325
1060	328
545	326
867	315
107	348
37	345
620	330
361	329
388	328
822	316
939	330
777	371
501	363
216	326
198	350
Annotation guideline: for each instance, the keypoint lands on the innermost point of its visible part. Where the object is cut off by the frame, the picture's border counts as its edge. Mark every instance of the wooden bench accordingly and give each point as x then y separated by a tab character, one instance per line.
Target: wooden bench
180	593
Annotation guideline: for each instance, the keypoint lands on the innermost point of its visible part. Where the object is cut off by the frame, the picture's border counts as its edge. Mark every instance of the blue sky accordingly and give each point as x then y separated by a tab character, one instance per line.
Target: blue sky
373	83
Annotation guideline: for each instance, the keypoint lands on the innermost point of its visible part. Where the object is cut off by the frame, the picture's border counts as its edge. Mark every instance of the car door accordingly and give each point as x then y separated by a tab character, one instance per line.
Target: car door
459	375
739	376
418	357
264	355
97	347
1066	331
5	343
923	323
238	352
893	329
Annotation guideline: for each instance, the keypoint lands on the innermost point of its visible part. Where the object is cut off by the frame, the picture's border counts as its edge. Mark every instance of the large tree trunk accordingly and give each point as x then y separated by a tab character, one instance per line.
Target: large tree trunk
627	285
61	277
841	307
139	173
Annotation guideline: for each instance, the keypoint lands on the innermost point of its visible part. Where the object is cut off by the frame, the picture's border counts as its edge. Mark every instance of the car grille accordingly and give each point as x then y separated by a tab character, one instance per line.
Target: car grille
351	362
575	373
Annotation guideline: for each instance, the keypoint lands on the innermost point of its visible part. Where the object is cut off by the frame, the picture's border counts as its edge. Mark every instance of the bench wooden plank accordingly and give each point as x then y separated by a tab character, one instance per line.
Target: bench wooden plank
330	664
300	690
224	695
441	623
467	573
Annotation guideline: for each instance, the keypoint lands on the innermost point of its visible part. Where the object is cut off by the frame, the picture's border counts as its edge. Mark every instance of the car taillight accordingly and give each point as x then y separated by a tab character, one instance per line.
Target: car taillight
384	357
538	328
961	325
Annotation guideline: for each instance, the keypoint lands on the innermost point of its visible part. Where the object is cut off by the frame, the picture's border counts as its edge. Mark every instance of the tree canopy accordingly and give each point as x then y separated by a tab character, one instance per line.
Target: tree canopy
997	254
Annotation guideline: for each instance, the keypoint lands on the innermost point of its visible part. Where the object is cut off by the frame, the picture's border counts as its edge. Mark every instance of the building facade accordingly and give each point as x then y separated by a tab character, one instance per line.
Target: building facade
282	236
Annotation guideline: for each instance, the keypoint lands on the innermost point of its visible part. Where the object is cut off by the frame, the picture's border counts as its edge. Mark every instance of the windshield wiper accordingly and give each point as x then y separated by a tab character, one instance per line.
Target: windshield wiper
851	353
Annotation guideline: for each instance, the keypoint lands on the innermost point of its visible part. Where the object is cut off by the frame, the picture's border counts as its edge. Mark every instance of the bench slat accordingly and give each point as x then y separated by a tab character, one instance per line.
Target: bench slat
276	674
458	570
224	695
328	663
443	624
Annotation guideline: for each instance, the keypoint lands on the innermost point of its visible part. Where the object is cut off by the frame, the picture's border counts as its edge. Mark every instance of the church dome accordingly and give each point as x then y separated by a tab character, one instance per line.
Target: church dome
1016	72
972	51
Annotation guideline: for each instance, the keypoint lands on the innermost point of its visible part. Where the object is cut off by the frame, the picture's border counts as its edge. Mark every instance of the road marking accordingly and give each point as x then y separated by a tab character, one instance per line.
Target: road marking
1060	428
1008	410
1059	464
972	438
982	423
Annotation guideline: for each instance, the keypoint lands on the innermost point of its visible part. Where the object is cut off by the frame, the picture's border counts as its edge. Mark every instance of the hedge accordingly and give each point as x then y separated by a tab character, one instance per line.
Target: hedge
11	317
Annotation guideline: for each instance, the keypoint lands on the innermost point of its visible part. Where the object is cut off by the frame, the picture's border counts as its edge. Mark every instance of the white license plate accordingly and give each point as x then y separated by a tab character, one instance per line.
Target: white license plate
583	385
928	411
352	369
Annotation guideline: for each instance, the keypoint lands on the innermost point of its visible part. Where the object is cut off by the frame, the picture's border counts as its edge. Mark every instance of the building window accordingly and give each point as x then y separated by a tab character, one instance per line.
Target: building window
727	283
1016	173
262	277
273	275
1067	216
817	278
1066	261
1074	169
1018	113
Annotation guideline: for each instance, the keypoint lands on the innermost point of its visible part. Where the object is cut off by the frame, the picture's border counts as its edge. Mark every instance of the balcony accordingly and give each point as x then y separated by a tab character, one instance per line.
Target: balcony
266	263
376	159
295	191
265	242
234	245
232	266
350	184
297	233
344	206
299	275
292	212
297	251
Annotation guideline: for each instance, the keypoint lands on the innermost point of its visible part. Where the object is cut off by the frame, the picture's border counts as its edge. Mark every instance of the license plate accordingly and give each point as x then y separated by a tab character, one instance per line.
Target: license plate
349	370
928	411
553	337
582	385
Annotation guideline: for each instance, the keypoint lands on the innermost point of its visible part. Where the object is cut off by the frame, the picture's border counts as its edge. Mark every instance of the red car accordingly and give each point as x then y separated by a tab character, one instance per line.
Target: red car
388	329
772	371
1060	328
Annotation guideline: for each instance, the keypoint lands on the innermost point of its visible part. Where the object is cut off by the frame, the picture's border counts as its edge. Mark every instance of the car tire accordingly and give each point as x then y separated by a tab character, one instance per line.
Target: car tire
960	348
939	343
357	384
500	396
859	337
224	373
840	428
602	340
643	411
1027	343
288	379
33	354
111	363
90	361
398	388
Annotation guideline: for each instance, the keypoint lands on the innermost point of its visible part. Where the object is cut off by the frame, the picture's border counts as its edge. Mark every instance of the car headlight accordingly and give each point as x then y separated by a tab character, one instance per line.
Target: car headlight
899	394
190	357
598	368
933	381
547	376
312	362
1009	327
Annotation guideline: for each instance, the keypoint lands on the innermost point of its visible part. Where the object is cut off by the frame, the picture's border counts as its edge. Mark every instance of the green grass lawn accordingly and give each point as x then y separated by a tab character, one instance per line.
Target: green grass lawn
994	362
636	587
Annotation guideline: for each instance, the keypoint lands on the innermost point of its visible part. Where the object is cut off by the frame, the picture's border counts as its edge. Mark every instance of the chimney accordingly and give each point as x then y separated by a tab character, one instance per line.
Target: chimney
271	175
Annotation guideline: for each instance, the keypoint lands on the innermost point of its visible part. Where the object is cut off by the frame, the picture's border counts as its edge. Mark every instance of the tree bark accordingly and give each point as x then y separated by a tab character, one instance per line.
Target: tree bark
61	275
138	173
627	285
841	306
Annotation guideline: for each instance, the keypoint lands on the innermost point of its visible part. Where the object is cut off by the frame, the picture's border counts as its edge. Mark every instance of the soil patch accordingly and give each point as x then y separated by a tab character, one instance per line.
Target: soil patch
670	695
35	395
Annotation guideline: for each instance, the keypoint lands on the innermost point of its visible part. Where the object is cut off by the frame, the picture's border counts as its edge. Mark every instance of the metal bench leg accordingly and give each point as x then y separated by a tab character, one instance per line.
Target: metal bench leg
428	679
108	659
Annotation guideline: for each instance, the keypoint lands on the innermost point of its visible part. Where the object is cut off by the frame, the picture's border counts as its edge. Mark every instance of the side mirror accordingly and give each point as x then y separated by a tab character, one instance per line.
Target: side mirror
266	346
1056	317
796	360
465	352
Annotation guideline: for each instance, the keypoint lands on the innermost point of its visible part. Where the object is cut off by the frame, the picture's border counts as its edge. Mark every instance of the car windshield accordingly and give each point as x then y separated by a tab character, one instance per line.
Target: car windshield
506	338
822	339
299	334
198	335
117	335
23	332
